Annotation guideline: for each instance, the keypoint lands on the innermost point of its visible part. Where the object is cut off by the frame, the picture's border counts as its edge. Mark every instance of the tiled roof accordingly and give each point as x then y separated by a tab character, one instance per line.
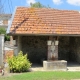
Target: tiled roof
45	21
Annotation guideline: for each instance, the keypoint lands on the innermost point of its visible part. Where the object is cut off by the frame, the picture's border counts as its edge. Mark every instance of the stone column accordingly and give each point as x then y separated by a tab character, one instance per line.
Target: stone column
49	49
56	50
1	49
19	43
52	49
11	40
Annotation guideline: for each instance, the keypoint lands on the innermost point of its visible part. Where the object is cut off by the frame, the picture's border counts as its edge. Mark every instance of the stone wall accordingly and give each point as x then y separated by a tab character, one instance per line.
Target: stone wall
36	48
69	49
1	49
73	49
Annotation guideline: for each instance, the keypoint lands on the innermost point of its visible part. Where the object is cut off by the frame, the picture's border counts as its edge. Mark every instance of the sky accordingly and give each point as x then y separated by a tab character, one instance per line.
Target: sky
9	5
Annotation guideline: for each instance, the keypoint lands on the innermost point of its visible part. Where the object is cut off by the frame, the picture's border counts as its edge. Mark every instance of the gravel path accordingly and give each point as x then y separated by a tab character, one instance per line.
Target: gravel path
38	67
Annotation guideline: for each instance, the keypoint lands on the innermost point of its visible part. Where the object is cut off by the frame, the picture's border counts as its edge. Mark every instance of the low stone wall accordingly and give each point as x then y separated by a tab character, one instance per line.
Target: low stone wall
55	65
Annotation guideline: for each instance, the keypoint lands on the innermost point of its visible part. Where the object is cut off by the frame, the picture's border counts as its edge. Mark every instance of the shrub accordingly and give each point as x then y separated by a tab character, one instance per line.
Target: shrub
19	63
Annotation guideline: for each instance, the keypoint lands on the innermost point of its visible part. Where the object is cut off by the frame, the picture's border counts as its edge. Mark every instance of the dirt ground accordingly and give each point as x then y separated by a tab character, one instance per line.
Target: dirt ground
37	67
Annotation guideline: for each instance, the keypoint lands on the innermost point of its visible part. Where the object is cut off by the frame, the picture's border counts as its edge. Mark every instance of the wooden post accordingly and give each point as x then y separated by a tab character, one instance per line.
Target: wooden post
19	43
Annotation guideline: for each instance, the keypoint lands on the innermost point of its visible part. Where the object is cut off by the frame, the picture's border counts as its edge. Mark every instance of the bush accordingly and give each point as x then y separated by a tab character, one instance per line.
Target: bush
19	63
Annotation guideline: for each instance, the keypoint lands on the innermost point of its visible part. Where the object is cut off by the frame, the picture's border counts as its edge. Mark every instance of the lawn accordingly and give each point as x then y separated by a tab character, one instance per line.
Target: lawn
51	75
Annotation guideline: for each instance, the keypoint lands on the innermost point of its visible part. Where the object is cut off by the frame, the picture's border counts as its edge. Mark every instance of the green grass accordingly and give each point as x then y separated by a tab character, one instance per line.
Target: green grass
44	76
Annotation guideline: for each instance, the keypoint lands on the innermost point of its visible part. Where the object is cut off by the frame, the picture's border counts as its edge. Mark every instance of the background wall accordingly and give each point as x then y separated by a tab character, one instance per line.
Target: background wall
69	49
36	48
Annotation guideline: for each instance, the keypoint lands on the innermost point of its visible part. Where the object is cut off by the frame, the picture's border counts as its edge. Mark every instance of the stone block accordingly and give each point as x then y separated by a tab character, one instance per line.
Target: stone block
55	65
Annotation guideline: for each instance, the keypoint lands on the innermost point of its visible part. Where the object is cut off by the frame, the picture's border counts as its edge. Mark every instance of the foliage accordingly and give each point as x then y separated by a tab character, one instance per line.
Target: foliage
3	31
19	63
7	38
38	5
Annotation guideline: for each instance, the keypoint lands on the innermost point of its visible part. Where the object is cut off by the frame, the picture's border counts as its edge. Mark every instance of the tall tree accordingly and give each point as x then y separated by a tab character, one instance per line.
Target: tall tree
38	5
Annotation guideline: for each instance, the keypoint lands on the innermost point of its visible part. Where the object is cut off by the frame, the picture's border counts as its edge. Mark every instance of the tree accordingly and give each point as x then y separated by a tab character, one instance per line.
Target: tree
38	5
3	31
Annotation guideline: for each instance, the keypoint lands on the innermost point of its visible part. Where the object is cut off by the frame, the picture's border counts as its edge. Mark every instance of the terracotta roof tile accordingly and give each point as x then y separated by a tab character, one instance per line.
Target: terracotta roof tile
45	21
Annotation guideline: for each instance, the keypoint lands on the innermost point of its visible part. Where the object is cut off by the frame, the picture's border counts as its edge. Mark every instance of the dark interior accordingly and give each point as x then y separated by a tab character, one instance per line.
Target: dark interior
69	49
36	48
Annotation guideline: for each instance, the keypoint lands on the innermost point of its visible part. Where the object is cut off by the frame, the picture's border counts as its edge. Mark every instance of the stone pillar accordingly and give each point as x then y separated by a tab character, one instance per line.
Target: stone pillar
49	49
1	49
52	49
19	43
56	50
11	40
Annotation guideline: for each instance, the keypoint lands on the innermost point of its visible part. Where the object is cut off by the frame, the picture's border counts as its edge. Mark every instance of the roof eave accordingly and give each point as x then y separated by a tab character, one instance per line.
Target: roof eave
42	34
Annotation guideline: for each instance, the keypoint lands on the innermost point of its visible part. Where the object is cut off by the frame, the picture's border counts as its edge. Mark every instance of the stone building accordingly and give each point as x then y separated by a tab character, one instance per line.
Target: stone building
47	33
